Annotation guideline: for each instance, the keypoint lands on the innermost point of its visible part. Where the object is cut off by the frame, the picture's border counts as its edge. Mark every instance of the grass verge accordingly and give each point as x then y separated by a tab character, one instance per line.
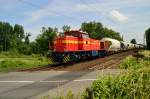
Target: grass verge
134	84
11	62
131	62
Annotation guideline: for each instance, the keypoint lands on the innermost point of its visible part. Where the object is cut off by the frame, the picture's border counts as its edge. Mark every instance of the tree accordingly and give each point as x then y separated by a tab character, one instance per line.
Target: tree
6	32
66	28
147	34
133	41
45	39
94	29
97	31
27	41
19	31
18	36
11	37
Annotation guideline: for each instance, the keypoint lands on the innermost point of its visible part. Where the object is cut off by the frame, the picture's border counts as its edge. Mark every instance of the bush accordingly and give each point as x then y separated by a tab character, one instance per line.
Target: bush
130	63
133	85
10	62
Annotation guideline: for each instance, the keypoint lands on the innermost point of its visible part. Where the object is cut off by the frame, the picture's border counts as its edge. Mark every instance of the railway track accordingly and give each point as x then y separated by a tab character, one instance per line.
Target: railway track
97	64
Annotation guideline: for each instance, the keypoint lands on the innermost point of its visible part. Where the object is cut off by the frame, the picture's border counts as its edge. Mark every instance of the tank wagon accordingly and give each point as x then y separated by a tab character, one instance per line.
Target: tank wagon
114	45
125	45
76	45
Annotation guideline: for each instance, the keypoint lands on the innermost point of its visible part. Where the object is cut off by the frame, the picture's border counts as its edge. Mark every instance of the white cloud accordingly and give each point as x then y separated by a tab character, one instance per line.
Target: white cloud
118	16
39	14
83	8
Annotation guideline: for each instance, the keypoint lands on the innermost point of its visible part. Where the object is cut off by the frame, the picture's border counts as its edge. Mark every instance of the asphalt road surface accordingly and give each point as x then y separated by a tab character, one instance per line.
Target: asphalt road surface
29	85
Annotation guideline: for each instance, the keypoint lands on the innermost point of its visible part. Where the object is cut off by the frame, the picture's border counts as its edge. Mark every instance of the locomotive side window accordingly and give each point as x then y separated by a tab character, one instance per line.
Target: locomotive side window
86	42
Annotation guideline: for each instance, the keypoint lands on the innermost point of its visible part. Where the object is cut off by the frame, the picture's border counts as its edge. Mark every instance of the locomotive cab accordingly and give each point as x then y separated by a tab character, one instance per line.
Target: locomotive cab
70	41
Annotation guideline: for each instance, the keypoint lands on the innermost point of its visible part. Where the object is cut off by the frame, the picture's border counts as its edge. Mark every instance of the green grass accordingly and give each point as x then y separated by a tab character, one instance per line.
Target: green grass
131	62
69	95
134	84
146	53
13	61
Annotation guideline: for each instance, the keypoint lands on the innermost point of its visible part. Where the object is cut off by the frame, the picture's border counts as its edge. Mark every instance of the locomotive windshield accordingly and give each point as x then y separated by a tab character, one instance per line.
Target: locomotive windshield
73	33
77	34
85	35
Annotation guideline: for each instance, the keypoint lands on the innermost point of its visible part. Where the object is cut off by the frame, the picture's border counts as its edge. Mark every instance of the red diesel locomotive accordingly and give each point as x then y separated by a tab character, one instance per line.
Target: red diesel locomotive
76	45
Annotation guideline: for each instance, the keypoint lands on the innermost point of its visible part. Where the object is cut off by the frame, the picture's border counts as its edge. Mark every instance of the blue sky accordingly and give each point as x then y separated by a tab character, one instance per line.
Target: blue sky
129	17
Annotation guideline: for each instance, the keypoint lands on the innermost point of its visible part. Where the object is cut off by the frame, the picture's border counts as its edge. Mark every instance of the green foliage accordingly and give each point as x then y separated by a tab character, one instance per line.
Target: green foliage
131	63
133	41
147	34
10	54
66	28
94	29
131	84
10	37
134	84
25	48
97	31
6	31
18	32
45	40
27	41
69	95
12	61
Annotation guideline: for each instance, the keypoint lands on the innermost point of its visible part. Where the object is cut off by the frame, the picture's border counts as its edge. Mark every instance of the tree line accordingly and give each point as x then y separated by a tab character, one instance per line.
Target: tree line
11	37
14	38
96	30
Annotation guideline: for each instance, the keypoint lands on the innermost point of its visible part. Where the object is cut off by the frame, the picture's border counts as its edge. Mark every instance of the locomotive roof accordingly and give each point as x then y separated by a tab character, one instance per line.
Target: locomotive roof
76	31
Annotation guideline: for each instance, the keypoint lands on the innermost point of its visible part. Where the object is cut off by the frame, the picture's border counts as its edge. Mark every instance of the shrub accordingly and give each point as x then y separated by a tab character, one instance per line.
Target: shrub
134	84
129	63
